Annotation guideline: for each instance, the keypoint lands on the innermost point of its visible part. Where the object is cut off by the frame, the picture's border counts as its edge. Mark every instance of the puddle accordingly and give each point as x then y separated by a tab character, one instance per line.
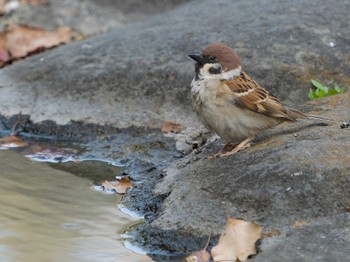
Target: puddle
48	214
96	171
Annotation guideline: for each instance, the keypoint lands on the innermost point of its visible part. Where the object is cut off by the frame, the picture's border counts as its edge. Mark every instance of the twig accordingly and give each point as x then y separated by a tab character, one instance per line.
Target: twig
18	120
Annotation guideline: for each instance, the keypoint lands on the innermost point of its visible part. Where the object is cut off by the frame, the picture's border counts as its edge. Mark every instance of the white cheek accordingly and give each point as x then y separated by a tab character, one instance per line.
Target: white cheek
204	71
231	74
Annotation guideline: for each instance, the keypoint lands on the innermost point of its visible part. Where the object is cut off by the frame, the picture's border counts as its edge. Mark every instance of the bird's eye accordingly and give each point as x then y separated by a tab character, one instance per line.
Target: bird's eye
211	59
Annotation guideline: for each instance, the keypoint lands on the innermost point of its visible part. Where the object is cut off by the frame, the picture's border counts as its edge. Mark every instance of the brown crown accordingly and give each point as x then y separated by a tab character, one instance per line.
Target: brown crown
224	55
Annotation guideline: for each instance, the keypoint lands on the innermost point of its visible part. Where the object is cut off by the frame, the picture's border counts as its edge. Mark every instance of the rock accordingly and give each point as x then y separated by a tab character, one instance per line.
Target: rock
190	138
84	17
293	180
139	74
139	10
87	17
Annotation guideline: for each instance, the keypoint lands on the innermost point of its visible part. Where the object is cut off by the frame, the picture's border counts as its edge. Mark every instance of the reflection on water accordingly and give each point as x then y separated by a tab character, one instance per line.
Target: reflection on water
50	215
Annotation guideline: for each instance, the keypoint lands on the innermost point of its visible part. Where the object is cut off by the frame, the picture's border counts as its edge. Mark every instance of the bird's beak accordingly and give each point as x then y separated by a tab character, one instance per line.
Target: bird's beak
197	56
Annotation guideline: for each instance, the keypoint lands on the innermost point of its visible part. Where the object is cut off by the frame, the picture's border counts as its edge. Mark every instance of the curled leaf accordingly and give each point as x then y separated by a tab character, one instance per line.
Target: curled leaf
18	41
120	186
11	142
22	40
237	242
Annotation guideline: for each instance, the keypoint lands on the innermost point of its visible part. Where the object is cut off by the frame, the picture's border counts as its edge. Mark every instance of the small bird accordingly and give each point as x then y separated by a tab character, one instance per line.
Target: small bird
230	103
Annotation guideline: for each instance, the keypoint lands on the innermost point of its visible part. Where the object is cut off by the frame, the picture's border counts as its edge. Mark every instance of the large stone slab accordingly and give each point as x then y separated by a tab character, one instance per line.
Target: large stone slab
139	74
293	181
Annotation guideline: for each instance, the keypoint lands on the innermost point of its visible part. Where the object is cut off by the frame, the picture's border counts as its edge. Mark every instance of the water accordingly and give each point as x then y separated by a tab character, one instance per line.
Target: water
51	215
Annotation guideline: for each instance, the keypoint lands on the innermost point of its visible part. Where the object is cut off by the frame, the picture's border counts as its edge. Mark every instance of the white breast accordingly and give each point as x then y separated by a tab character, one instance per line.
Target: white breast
221	116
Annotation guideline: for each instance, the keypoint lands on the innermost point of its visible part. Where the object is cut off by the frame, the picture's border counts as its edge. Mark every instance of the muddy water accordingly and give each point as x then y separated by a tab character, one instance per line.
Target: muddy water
51	215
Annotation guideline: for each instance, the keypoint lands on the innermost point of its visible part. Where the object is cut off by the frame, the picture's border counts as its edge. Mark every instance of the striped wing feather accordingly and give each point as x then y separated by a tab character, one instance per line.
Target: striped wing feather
248	94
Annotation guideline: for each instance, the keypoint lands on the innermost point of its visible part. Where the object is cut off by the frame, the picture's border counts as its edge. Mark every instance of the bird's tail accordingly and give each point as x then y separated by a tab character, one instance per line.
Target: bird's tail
295	114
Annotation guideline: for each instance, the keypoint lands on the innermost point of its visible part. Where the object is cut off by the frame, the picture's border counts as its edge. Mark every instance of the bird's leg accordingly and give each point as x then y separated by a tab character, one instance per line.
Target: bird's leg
226	148
239	147
230	149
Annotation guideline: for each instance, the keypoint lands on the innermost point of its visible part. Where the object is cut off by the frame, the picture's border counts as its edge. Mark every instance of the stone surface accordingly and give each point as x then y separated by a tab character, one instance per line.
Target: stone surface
84	17
87	16
139	74
294	179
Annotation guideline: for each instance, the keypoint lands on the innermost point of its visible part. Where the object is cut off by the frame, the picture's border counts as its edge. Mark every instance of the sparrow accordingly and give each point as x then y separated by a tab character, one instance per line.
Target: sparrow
230	103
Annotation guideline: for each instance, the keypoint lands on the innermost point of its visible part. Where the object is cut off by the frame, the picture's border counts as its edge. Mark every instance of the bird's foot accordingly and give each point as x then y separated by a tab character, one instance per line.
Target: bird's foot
229	149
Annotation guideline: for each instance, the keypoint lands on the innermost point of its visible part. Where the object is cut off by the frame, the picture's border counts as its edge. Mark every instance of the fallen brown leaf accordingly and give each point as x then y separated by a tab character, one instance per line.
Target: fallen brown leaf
120	186
200	255
167	127
22	40
12	141
237	242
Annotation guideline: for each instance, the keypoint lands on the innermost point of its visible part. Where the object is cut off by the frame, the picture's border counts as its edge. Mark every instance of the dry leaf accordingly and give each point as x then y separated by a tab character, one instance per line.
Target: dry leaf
120	186
22	40
167	127
200	255
237	242
12	141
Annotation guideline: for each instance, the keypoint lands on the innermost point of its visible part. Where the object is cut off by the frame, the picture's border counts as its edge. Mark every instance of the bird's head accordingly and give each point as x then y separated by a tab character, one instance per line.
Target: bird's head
216	61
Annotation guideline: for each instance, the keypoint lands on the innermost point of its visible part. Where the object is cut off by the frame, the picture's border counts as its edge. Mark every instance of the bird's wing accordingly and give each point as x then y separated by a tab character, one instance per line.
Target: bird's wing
246	93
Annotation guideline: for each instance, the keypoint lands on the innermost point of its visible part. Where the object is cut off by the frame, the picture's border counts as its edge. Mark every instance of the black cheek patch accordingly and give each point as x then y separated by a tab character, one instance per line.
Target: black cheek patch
215	70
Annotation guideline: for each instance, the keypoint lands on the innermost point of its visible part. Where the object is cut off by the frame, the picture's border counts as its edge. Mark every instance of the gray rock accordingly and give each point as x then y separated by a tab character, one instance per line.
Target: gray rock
139	74
294	181
83	16
88	16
